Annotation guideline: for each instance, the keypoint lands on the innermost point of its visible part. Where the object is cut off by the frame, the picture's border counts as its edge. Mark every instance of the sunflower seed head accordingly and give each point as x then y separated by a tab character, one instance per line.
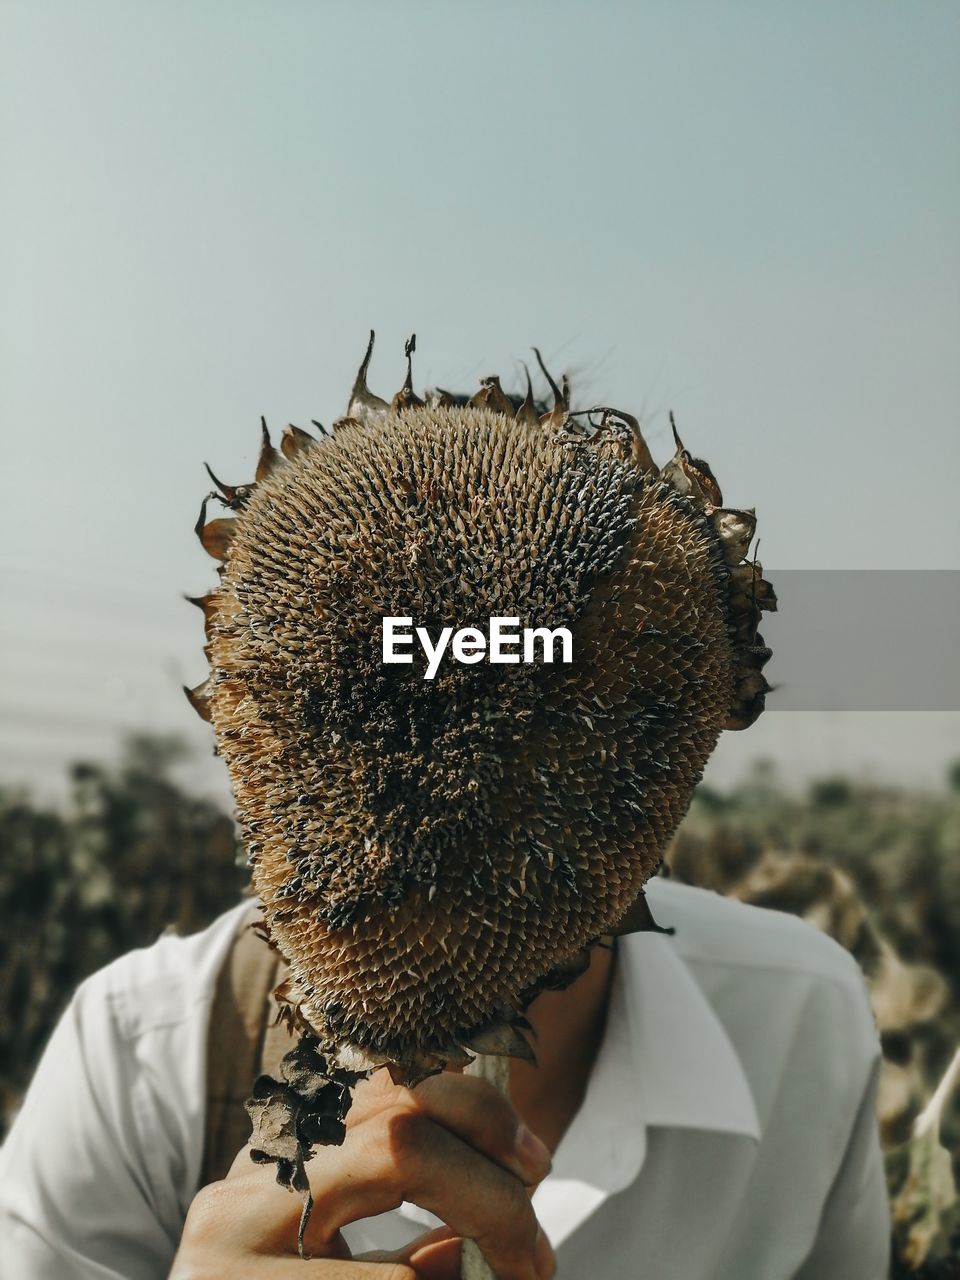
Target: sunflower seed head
432	853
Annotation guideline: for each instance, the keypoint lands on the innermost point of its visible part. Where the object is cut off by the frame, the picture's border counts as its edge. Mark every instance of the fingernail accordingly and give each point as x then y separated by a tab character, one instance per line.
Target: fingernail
544	1258
531	1152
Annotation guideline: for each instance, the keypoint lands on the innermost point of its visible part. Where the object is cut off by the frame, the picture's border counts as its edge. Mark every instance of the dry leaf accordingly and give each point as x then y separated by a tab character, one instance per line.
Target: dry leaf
926	1210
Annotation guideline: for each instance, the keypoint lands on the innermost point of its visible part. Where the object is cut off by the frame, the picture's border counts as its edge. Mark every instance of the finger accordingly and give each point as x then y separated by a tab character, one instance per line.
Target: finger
480	1115
411	1149
229	1232
438	1256
395	1155
317	1269
425	1163
433	1256
261	1268
469	1107
438	1259
250	1211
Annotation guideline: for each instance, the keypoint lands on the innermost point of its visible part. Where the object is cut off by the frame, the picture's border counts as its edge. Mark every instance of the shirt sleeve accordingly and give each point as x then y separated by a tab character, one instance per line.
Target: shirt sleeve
78	1200
853	1241
103	1159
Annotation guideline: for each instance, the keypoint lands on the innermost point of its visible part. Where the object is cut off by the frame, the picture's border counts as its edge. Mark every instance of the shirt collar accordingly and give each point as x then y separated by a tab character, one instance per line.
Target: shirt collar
691	1073
665	1060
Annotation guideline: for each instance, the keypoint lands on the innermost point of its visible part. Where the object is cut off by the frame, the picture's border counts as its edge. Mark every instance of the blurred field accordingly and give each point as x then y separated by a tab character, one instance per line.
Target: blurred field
133	854
876	867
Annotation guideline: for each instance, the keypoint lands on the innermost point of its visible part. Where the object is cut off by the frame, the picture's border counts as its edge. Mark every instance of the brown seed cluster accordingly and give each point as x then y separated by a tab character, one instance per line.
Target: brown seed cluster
431	853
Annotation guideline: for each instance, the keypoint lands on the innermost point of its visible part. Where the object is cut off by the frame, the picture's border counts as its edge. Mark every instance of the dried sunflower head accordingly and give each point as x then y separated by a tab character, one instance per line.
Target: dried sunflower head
431	853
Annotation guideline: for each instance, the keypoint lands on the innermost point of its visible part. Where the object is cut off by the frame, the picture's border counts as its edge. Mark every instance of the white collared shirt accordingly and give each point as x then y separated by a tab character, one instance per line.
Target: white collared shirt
727	1131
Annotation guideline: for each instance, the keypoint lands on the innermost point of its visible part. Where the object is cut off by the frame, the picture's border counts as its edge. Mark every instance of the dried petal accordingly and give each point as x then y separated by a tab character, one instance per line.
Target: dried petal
492	396
690	475
528	406
214	535
735	528
501	1040
269	459
199	699
294	441
406	397
556	416
364	405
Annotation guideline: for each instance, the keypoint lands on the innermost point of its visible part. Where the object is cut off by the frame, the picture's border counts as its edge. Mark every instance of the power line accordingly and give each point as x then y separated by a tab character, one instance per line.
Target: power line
125	611
67	644
38	720
129	583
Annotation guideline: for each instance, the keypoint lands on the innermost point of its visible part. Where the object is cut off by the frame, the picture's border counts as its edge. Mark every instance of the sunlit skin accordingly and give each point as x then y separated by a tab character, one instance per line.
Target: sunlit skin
568	1030
452	1145
569	1027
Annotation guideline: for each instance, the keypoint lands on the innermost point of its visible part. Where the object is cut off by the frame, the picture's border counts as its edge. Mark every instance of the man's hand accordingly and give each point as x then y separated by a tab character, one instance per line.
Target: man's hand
453	1145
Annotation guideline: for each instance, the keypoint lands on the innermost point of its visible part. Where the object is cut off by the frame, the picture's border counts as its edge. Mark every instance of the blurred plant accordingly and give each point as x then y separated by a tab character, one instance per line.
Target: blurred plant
901	850
923	1192
131	855
879	870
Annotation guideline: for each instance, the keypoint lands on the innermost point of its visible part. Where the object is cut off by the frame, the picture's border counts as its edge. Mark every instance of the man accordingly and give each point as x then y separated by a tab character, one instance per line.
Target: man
436	849
706	1097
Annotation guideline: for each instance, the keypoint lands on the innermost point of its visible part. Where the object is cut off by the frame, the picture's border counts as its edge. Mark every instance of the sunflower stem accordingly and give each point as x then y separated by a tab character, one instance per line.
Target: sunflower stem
496	1070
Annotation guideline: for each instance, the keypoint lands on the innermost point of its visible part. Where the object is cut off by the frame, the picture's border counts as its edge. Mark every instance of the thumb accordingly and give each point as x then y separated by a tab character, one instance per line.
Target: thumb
434	1256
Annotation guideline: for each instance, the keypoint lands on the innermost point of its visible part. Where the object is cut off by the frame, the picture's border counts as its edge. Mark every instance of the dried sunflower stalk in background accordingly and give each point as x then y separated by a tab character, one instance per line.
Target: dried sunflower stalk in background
431	854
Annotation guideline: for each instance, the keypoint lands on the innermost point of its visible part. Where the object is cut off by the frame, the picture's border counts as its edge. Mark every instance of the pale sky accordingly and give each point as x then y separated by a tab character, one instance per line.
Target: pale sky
748	213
